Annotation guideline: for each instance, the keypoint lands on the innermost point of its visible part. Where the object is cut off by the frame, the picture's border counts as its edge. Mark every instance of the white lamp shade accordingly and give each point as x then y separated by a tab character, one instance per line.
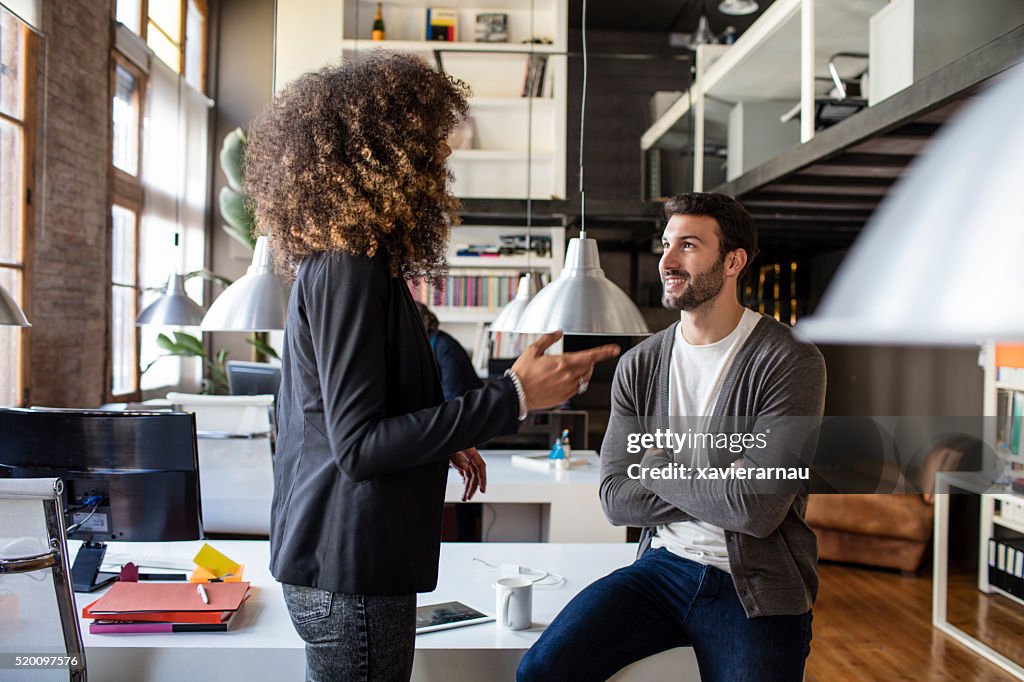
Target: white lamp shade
173	308
582	300
737	8
10	313
509	316
942	260
255	302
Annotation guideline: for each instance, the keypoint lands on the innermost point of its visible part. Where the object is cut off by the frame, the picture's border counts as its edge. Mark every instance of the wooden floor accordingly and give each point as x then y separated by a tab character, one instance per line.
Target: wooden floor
876	625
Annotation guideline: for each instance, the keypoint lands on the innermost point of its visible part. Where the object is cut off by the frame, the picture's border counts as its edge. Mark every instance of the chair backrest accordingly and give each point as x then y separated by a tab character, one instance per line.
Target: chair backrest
37	607
238	415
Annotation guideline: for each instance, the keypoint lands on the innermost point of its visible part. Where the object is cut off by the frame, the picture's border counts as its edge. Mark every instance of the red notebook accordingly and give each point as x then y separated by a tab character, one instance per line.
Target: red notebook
168	602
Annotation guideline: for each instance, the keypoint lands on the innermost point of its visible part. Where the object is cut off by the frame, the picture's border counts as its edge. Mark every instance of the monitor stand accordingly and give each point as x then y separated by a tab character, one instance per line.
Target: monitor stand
85	571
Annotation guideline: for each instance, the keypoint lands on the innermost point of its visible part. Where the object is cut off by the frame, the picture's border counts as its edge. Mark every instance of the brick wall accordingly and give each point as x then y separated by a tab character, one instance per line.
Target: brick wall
70	261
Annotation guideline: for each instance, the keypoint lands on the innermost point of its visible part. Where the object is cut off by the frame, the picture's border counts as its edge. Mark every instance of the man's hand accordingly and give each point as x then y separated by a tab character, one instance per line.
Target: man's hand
472	469
550	380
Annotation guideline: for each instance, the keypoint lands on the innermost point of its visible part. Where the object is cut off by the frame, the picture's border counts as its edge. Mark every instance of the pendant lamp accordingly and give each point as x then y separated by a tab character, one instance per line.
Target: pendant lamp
582	300
737	8
508	317
10	313
939	263
255	302
702	36
173	308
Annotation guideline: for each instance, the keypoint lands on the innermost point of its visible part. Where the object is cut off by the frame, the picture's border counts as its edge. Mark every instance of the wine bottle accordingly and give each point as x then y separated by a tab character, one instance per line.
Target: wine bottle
378	24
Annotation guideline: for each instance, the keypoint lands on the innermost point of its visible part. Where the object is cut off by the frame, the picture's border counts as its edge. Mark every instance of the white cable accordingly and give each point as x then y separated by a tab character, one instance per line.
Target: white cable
538	577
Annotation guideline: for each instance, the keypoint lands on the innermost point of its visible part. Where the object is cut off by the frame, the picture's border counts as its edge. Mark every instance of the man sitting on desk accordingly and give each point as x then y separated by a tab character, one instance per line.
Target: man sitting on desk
725	566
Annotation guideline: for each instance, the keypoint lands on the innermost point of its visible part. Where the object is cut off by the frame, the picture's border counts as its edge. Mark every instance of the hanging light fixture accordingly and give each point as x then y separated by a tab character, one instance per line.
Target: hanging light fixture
508	317
173	308
582	300
737	8
255	302
939	261
11	314
703	34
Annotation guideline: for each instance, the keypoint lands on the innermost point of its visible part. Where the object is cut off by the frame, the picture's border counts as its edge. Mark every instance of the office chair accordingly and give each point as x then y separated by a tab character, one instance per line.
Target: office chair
235	439
38	616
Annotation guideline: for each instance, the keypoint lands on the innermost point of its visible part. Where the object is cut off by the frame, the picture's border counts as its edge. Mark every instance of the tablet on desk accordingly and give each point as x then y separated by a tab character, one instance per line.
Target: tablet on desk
450	614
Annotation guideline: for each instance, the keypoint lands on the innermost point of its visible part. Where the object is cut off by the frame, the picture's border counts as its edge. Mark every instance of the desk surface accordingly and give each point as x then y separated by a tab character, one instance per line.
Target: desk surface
262	644
263	622
505	479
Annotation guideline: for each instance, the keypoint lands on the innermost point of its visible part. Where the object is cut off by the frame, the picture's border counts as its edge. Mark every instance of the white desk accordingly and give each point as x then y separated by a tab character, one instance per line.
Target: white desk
263	646
988	492
570	506
237	485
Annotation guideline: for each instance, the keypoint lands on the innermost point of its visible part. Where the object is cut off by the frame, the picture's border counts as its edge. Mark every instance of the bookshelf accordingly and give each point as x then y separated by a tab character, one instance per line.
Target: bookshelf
479	286
507	136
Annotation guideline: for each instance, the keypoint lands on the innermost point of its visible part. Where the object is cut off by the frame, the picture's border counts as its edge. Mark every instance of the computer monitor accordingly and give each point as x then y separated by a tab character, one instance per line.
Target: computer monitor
127	475
253	378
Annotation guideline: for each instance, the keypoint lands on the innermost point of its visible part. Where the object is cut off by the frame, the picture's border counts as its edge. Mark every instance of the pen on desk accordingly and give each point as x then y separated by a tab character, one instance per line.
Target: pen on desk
202	594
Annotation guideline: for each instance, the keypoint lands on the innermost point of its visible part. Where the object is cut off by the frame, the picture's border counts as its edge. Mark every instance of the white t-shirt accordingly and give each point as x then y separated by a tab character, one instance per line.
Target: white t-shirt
696	374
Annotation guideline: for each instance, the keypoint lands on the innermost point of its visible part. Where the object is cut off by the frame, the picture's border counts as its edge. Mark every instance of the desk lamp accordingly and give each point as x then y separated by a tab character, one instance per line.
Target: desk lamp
582	300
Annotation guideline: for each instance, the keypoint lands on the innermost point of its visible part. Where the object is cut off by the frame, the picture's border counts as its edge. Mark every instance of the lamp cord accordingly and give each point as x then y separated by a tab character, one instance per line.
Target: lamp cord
583	111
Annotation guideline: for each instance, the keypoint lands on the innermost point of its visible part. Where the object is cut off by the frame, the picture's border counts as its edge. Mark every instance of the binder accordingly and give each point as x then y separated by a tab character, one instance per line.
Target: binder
168	603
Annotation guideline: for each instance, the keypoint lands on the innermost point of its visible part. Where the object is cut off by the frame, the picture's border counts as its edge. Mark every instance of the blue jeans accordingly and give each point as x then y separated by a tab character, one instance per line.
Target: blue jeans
354	637
659	602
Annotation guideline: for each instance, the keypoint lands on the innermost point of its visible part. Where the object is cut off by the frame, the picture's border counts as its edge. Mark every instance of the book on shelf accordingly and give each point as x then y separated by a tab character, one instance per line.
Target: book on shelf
442	24
1009	425
472	288
533	83
1006	565
492	27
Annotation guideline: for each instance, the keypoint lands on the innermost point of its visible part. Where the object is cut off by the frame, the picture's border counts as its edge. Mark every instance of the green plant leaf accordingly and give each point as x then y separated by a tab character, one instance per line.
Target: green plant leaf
232	159
258	341
188	343
234	210
209	276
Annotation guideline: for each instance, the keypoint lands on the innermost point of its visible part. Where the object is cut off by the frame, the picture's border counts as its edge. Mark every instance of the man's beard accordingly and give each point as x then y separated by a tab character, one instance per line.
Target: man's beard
699	289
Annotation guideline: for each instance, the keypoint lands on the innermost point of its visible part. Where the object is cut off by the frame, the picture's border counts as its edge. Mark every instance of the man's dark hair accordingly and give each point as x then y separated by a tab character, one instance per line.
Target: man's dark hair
736	228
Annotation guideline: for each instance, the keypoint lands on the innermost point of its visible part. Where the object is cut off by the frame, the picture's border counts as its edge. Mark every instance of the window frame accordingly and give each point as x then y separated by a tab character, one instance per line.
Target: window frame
204	8
125	191
29	130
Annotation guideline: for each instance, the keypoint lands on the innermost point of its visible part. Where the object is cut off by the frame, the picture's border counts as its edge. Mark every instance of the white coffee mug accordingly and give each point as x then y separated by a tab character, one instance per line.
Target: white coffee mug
514	603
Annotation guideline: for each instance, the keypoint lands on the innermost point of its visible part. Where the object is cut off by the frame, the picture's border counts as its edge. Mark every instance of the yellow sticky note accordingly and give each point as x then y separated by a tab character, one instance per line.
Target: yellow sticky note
214	561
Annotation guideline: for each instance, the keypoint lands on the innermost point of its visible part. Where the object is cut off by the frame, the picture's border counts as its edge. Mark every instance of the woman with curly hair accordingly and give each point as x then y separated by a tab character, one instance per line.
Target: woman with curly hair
346	173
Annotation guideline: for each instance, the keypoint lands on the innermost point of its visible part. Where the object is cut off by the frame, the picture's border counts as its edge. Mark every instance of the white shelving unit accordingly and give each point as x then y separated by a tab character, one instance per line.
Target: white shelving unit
311	33
776	58
988	495
466	323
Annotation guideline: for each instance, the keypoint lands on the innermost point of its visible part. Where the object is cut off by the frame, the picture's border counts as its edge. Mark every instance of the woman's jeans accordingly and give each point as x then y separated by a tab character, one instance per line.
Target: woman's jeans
354	637
659	602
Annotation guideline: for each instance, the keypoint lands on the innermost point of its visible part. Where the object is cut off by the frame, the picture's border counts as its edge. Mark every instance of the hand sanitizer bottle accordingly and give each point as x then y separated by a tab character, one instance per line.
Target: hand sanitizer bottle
557	455
566	447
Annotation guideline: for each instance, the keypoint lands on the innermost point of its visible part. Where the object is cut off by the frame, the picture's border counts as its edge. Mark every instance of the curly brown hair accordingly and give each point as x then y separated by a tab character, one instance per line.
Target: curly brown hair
345	159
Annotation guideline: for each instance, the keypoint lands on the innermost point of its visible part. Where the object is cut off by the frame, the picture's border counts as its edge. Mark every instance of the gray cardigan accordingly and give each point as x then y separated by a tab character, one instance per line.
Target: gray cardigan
772	381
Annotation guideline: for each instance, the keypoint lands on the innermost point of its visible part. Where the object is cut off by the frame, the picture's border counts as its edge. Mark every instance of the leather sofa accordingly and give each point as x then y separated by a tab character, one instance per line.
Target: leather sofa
888	530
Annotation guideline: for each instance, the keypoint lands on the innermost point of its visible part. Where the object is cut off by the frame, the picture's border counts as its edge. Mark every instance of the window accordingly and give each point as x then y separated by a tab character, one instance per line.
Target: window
126	120
15	191
123	361
159	155
175	30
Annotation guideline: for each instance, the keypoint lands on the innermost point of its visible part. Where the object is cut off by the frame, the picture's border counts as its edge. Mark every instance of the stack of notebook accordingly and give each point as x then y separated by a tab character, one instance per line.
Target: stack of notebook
129	607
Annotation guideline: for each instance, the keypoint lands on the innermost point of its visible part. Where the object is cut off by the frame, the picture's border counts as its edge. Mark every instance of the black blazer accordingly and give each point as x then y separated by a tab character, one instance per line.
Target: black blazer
364	435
